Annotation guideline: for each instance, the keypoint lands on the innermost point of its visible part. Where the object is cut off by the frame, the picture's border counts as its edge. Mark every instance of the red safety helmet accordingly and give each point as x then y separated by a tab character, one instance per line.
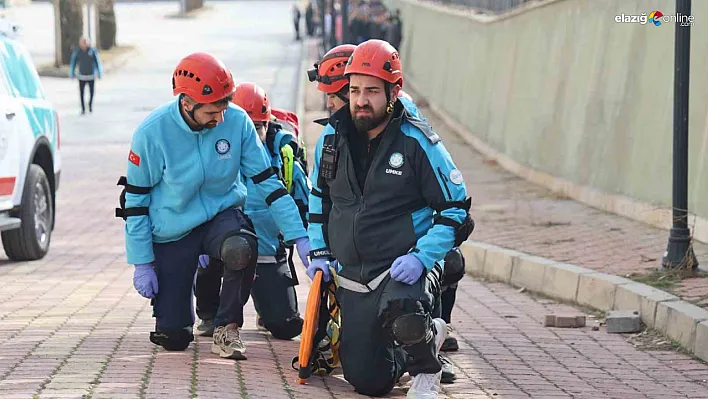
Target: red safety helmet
330	70
289	117
203	78
253	99
376	58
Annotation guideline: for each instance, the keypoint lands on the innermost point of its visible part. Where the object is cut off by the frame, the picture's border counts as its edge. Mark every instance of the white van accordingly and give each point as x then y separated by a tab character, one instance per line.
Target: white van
30	164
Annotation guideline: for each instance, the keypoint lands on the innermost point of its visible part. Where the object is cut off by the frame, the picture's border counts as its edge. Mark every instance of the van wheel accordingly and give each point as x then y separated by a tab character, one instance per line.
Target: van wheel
31	240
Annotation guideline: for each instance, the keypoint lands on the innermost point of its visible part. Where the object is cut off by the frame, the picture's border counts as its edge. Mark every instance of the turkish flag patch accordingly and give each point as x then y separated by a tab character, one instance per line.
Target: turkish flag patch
134	158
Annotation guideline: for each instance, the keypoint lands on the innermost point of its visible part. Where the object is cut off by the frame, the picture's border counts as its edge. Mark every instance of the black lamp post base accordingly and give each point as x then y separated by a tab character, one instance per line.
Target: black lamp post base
679	253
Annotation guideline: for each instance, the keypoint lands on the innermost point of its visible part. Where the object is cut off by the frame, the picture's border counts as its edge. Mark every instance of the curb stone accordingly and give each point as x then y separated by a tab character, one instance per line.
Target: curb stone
679	320
701	347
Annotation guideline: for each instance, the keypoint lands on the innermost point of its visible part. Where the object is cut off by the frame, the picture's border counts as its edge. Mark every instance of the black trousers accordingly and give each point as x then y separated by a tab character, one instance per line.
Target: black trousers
447	302
274	294
82	89
371	362
272	290
176	263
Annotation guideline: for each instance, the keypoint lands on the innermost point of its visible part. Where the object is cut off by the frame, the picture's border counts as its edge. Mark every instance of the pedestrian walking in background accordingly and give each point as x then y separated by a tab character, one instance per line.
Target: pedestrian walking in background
90	68
296	21
310	19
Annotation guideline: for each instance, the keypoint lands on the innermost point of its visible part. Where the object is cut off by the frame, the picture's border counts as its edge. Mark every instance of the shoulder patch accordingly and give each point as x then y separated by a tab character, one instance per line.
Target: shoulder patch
134	158
322	121
425	128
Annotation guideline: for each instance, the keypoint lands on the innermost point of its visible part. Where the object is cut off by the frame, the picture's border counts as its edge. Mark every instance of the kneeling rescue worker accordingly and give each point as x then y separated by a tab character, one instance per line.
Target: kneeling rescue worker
183	197
330	78
273	288
395	206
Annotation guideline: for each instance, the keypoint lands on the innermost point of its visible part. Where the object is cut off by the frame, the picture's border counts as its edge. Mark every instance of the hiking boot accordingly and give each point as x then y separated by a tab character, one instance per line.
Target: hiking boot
228	344
450	344
448	370
427	386
205	328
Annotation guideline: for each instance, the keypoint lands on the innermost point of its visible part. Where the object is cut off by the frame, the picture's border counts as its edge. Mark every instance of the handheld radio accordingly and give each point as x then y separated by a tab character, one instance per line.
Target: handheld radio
330	157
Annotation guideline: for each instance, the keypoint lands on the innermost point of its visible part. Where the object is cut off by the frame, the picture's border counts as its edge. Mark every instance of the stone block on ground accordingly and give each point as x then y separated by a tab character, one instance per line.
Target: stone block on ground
623	321
564	321
642	298
550	320
580	321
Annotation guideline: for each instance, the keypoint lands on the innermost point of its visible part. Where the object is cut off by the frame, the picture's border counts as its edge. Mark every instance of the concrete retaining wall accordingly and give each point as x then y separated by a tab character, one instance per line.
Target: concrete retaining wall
562	89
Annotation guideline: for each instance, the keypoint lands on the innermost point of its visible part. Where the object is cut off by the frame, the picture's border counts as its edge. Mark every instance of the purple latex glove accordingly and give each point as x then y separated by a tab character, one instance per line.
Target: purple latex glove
321	264
145	280
407	269
303	250
203	261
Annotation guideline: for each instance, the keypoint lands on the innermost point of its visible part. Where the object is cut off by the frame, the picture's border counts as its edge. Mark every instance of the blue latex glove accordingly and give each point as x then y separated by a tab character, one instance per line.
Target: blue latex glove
145	280
407	269
303	249
203	261
320	264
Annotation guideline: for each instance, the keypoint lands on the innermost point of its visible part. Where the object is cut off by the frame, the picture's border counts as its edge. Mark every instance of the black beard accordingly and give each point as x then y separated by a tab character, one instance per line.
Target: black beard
365	123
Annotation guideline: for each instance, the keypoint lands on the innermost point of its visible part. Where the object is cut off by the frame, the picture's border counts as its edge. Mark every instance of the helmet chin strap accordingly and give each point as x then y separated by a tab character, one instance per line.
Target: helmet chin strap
199	126
342	97
389	104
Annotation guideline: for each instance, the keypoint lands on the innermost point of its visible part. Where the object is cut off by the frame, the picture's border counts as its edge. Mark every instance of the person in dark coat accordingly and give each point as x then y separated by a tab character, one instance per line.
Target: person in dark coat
87	60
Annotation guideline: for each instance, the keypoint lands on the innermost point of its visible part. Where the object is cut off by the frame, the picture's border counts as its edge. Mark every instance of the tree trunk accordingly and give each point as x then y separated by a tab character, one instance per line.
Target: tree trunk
193	4
71	15
106	24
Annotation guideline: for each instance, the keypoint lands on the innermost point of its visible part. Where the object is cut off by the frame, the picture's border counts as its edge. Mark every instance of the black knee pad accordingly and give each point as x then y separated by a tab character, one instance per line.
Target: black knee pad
454	267
239	251
290	329
411	328
173	340
405	320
